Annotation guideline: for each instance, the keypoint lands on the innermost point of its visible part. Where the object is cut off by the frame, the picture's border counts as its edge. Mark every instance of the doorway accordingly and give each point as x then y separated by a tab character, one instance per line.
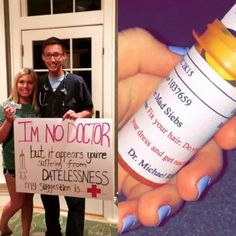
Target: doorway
84	57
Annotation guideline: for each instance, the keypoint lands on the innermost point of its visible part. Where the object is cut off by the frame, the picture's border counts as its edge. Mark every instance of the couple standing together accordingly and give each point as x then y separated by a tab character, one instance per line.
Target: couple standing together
57	94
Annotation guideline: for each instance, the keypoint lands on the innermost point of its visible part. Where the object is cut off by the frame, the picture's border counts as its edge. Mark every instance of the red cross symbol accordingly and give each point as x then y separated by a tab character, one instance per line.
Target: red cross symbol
94	190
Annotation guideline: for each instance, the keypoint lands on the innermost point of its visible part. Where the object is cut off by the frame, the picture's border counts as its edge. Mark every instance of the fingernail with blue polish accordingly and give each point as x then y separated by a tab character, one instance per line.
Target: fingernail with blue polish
163	212
179	50
202	184
128	223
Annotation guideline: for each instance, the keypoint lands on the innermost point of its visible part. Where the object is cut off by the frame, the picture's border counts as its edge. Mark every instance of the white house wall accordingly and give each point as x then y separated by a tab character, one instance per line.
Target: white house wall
105	17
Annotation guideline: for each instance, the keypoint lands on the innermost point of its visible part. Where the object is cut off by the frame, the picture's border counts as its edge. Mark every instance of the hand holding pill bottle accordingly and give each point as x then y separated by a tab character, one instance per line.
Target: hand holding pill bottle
198	97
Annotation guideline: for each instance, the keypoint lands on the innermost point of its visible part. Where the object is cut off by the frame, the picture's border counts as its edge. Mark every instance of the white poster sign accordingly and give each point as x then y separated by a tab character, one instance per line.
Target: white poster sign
71	158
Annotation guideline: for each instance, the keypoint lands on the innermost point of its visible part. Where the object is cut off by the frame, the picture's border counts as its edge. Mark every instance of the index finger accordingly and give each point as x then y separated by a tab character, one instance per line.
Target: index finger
226	136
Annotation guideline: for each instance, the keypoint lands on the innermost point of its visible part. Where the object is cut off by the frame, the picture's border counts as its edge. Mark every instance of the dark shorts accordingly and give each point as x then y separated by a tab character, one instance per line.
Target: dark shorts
11	172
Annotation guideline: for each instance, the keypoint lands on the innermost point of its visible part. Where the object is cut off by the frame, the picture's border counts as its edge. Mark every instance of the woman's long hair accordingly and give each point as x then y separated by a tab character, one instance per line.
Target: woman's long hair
14	93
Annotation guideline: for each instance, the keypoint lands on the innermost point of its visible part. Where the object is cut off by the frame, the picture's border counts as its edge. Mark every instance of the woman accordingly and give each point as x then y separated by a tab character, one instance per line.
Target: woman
21	103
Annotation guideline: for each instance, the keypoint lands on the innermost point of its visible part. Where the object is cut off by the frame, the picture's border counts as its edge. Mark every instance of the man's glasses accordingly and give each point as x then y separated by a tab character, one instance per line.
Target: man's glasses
56	56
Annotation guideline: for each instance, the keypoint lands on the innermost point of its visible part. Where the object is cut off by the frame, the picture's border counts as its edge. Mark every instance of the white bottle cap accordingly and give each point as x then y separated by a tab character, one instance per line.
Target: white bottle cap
229	20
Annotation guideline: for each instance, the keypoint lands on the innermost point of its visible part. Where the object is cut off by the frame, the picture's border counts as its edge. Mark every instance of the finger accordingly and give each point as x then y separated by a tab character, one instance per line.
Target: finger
73	116
132	93
126	214
9	109
226	136
129	184
157	204
193	179
9	113
138	190
68	114
65	116
122	175
139	51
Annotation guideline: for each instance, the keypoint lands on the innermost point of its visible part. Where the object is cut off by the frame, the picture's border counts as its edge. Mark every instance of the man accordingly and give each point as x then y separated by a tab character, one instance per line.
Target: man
62	94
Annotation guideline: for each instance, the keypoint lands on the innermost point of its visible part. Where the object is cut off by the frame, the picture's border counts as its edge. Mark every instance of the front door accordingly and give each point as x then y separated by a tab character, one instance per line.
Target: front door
84	57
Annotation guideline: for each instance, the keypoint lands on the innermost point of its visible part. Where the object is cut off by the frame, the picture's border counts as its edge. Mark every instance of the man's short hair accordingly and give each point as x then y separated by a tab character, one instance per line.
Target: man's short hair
51	41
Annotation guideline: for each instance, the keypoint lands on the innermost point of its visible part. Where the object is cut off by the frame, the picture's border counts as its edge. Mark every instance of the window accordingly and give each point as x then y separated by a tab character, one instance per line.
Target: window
46	7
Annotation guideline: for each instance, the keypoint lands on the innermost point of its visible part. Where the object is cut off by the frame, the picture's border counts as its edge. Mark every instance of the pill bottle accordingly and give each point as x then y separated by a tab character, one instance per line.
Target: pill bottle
186	110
